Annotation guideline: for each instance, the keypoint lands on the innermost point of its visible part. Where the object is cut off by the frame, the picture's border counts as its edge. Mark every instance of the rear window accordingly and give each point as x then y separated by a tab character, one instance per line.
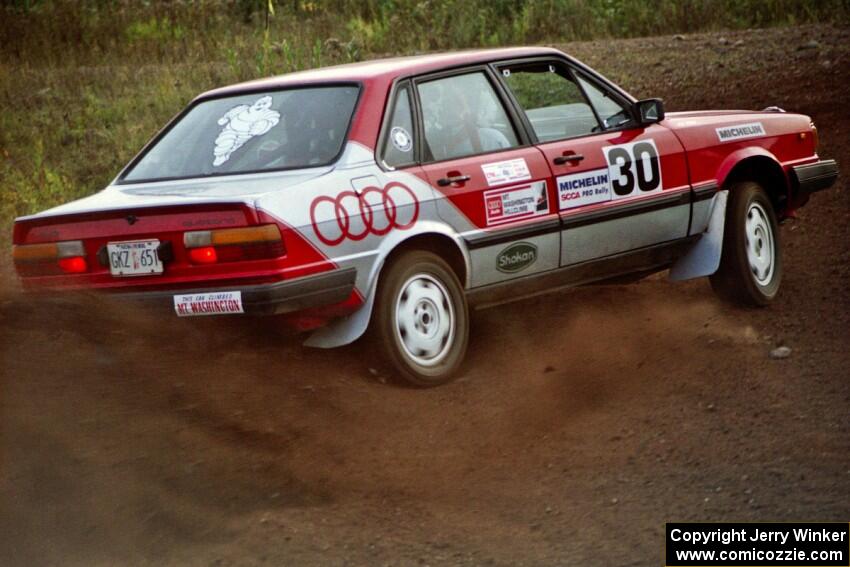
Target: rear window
287	129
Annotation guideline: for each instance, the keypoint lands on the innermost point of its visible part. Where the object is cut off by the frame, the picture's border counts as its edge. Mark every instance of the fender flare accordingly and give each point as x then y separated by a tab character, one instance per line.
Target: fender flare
348	329
734	159
744	155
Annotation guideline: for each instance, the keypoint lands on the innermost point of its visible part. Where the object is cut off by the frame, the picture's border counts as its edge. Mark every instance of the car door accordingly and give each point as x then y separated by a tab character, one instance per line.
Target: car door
619	186
497	186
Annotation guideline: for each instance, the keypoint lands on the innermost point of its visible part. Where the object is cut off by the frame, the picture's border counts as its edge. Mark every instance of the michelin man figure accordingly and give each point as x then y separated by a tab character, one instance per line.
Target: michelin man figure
241	123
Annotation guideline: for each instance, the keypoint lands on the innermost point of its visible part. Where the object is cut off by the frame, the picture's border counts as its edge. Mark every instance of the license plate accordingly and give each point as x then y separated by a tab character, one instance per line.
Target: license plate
134	258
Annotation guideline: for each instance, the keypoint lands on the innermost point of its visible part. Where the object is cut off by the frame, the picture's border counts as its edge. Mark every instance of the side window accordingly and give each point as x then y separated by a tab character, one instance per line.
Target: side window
398	147
612	113
462	116
552	101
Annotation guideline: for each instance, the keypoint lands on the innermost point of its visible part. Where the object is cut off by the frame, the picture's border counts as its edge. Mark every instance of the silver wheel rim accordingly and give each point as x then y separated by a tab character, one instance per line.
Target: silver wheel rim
760	244
425	319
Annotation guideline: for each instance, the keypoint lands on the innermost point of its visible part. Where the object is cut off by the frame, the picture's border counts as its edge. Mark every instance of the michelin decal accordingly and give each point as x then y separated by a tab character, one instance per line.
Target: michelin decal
740	131
241	123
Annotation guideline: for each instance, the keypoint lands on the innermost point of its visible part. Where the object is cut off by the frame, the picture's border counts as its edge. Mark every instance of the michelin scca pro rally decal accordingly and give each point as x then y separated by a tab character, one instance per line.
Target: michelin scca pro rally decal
740	131
354	216
583	188
503	172
516	203
516	257
241	123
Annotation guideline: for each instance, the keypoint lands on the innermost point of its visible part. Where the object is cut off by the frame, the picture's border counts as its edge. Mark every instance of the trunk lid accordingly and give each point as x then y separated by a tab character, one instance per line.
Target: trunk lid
159	211
233	189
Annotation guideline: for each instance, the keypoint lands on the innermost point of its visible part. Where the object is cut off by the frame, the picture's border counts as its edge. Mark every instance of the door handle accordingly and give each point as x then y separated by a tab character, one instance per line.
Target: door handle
561	160
446	181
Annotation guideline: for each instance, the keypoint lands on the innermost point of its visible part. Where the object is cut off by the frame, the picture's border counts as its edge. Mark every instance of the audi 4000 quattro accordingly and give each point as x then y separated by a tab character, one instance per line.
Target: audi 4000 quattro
391	195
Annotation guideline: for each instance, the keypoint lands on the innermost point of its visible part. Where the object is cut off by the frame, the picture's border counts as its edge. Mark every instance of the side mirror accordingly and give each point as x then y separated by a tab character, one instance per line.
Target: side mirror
649	110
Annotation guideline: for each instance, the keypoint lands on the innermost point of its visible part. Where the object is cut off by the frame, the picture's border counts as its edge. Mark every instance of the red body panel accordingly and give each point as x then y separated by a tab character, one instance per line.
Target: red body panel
674	167
167	224
469	196
710	160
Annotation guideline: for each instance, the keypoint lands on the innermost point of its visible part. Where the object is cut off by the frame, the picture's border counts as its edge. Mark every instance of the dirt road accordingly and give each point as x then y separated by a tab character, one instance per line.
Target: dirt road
586	419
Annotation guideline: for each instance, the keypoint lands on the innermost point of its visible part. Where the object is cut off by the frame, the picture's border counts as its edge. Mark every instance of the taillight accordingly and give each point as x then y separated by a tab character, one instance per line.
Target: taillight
50	258
74	265
815	139
205	255
234	244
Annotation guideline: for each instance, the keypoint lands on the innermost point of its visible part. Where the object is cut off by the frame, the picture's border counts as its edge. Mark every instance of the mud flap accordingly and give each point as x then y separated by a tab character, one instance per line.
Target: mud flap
703	258
346	330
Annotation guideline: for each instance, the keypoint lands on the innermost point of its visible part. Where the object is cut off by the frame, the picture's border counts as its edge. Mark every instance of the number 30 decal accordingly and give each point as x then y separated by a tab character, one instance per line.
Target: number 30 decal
633	167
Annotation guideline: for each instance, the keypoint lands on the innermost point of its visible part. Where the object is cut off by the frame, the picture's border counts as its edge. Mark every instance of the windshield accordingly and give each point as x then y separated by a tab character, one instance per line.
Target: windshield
288	129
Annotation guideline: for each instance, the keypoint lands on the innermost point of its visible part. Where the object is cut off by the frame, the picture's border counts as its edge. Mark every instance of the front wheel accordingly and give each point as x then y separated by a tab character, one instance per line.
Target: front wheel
421	319
751	262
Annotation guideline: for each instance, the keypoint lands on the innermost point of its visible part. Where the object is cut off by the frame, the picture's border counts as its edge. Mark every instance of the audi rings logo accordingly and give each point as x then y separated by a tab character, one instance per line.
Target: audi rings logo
374	211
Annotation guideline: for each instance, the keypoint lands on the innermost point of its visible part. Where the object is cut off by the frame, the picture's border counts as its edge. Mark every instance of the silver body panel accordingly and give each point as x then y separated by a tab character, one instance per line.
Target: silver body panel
623	234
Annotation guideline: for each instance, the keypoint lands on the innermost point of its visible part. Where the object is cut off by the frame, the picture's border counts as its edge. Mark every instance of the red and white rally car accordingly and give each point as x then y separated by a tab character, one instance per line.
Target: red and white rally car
392	194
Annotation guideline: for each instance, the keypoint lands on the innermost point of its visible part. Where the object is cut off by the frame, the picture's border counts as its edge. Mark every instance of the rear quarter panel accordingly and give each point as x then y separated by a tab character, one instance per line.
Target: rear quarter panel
357	214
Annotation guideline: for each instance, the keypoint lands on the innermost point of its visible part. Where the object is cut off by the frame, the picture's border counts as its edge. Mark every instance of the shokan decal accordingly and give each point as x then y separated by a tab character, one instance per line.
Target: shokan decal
516	203
241	123
634	169
355	215
508	171
583	188
401	139
516	257
740	131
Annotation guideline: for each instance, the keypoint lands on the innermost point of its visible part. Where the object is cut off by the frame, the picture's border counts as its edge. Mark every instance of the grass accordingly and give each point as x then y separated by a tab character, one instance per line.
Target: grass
84	84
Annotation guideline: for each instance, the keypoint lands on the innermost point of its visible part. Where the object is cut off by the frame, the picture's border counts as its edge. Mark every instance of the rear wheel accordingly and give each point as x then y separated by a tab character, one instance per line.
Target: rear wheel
421	319
751	263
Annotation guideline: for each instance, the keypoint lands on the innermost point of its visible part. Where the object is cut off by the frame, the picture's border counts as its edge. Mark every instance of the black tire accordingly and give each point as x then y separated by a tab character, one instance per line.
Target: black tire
402	322
750	270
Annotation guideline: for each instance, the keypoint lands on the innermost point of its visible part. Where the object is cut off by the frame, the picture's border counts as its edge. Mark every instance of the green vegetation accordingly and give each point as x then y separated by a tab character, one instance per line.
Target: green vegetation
83	84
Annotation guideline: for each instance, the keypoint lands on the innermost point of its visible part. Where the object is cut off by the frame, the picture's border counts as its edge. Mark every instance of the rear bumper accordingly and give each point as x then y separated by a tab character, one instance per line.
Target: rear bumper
813	177
327	288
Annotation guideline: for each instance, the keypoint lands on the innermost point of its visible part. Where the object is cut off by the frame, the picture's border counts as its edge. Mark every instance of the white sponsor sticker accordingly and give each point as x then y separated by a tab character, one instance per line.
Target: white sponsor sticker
401	139
584	188
219	303
633	169
503	172
740	131
516	203
240	124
